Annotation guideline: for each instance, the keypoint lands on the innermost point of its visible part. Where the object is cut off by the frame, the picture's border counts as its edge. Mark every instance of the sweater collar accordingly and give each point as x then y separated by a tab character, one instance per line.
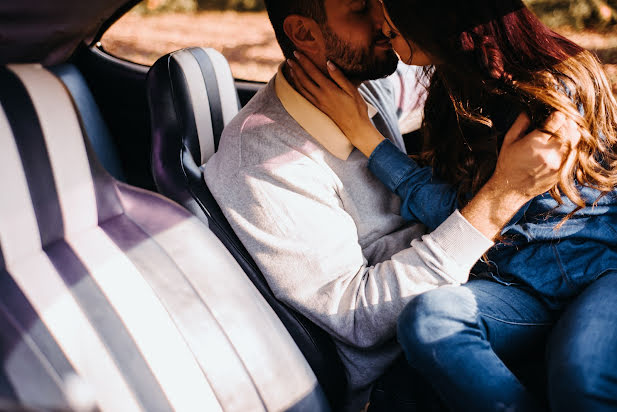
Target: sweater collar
313	120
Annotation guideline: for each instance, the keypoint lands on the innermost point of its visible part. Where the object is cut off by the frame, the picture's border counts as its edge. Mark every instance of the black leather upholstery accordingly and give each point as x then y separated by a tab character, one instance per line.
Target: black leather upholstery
172	84
114	297
98	133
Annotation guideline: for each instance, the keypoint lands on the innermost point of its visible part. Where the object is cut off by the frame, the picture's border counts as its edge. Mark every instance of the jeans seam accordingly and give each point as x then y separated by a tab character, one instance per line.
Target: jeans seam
512	322
603	272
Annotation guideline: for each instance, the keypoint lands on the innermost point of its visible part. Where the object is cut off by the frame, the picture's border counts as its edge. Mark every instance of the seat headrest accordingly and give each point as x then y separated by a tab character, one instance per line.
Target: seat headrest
46	170
192	97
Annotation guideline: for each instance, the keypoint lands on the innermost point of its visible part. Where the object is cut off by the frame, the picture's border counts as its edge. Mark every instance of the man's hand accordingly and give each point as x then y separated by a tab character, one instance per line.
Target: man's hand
530	165
527	166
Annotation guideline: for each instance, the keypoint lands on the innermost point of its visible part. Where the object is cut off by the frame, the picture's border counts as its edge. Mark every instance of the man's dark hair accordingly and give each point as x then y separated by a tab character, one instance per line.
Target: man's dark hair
278	10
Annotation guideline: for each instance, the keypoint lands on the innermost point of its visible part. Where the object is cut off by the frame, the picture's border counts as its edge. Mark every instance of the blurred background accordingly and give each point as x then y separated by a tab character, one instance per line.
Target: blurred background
241	31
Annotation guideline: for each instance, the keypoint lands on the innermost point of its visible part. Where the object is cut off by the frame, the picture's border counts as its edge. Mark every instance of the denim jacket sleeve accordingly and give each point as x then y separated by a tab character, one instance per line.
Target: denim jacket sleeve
425	198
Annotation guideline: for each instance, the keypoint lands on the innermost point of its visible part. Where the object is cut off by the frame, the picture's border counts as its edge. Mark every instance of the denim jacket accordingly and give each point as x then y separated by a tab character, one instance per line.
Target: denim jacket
557	264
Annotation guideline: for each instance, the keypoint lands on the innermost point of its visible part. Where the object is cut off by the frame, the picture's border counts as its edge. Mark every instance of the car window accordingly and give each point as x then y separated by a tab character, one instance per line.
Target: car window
240	29
242	33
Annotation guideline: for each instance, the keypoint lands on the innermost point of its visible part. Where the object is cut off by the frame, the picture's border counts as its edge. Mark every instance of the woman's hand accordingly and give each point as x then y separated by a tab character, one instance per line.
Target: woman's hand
338	98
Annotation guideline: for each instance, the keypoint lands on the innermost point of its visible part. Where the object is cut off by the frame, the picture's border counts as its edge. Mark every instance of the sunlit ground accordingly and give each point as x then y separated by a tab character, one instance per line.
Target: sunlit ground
247	40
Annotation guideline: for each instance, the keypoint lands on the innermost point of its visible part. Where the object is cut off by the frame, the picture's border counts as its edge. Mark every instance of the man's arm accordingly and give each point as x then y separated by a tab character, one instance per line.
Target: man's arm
291	219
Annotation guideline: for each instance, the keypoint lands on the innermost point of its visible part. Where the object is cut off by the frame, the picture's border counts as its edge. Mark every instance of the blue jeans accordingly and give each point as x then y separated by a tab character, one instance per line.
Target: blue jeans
582	351
460	338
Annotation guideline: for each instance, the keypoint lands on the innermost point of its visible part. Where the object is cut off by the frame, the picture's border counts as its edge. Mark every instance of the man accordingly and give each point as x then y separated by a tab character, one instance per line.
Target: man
327	234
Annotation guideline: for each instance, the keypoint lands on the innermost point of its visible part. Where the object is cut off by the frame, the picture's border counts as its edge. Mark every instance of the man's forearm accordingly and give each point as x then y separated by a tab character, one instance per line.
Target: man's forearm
492	208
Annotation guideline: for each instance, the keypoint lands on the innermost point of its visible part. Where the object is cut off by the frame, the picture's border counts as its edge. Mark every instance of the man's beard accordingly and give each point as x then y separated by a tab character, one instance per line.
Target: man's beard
358	64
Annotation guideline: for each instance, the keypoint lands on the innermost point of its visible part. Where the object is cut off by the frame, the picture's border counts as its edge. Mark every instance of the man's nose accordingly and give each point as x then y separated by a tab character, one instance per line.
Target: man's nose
377	14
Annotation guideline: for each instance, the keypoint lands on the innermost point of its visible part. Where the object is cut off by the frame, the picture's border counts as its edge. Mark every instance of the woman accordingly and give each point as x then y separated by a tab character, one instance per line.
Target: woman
556	262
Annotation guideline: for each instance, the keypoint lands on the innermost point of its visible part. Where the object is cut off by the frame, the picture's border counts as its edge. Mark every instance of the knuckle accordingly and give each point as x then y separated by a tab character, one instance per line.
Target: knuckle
553	164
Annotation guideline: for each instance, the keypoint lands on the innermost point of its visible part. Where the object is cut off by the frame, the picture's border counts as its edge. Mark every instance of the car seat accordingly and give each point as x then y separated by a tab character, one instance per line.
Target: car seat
192	96
116	298
98	133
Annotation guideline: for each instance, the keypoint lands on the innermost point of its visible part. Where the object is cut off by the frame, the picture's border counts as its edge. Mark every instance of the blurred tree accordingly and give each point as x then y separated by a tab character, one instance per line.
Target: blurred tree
576	13
240	5
187	6
155	6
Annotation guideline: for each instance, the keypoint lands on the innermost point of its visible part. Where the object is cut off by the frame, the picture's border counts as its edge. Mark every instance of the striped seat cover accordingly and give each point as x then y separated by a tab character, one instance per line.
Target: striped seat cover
116	298
192	96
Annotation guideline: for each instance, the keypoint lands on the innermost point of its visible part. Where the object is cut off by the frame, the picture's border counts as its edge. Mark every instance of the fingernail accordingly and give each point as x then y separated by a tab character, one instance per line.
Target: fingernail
330	65
290	62
296	54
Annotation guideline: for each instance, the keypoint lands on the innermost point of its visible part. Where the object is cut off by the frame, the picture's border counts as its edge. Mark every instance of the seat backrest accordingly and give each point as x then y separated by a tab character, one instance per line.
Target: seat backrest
180	86
114	297
192	96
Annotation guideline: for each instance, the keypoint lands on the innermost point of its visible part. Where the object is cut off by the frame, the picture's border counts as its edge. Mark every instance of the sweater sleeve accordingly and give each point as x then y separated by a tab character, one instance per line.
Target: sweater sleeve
424	198
292	221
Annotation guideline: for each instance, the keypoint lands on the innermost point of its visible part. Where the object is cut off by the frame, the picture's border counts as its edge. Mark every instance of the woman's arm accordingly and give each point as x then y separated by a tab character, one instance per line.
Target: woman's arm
424	198
528	165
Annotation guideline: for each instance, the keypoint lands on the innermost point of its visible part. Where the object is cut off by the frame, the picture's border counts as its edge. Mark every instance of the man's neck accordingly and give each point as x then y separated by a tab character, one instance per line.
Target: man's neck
292	83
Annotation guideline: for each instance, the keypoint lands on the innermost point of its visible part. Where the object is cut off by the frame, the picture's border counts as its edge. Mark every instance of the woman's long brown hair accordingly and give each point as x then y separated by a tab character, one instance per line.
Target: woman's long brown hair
496	60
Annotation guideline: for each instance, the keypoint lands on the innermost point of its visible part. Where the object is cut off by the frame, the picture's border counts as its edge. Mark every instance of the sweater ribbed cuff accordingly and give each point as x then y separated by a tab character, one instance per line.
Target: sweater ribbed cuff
462	242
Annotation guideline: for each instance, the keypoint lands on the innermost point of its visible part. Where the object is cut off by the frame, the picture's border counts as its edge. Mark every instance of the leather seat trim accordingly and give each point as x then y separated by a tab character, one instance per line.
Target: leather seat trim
214	99
21	116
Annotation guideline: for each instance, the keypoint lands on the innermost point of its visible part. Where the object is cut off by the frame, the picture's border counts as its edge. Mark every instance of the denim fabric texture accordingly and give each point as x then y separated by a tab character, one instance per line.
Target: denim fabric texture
582	360
460	336
543	287
557	264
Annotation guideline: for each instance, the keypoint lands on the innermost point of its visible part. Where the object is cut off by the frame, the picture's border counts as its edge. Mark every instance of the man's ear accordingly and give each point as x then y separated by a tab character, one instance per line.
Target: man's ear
304	33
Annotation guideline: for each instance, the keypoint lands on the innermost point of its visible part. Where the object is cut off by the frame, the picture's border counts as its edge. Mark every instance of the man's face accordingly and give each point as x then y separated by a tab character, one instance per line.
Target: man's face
354	40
